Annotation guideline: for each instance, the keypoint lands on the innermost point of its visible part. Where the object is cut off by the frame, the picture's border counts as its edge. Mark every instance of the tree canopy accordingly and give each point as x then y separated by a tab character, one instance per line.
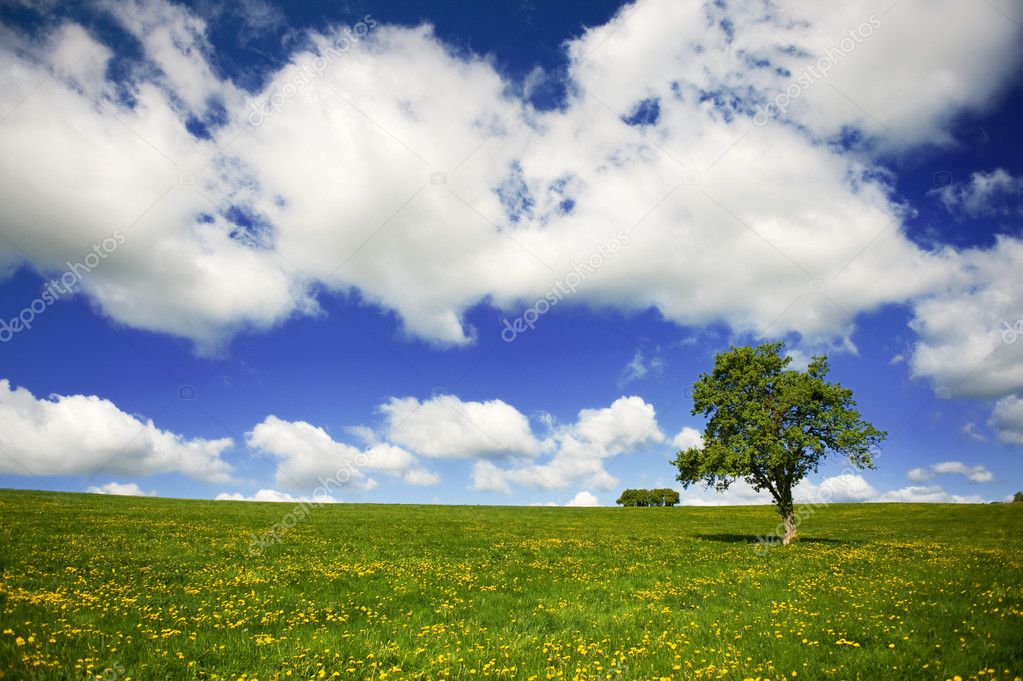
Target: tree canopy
648	497
771	425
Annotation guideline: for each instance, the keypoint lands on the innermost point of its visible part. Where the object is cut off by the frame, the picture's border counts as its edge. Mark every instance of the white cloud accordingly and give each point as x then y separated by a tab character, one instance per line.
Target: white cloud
920	474
923	86
971	433
984	195
583	498
843	488
686	438
927	495
129	489
486	477
273	495
308	457
175	40
1008	420
352	150
447	427
420	477
119	169
627	423
976	473
738	494
634	370
84	434
638	367
931	69
969	329
580	449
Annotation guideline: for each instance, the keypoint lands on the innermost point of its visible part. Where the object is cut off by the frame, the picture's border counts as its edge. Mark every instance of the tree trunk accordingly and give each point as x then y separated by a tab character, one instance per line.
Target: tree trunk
789	521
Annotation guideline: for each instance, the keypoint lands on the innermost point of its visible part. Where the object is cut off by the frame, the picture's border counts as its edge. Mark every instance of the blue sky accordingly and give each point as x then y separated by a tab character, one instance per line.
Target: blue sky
295	238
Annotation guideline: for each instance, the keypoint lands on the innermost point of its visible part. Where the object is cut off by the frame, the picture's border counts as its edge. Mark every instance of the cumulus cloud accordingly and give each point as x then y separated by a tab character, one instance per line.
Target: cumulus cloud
580	500
84	434
129	489
845	487
179	271
329	187
833	55
493	434
917	494
420	477
638	367
583	498
842	488
976	473
991	194
738	494
1008	420
308	457
969	328
579	450
445	426
920	474
971	433
944	72
273	495
686	438
486	477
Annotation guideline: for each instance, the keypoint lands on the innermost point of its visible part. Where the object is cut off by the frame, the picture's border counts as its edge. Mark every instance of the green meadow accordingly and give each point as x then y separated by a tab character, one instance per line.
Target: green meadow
140	588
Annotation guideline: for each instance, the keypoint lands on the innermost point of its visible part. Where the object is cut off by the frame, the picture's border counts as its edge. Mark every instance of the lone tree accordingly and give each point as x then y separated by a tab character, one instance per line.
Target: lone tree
770	425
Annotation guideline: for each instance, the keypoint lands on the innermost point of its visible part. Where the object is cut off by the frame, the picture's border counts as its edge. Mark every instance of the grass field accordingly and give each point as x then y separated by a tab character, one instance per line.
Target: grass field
135	588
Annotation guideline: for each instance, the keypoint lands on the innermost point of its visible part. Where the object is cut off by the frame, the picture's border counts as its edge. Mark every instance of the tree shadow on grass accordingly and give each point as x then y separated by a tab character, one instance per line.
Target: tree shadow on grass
756	539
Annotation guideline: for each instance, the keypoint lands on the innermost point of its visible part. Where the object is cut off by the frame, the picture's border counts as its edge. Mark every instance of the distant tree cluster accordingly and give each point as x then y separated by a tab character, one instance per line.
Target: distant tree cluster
1017	497
648	497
